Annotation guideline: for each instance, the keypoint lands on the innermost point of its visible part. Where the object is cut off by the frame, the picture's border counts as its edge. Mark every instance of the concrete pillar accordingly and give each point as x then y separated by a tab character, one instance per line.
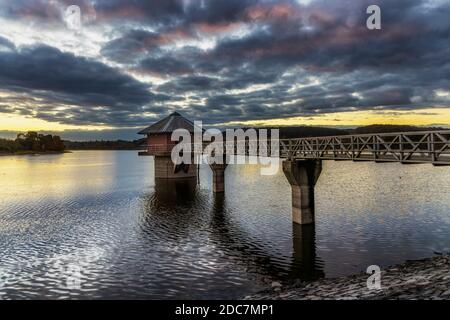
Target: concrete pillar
302	176
218	171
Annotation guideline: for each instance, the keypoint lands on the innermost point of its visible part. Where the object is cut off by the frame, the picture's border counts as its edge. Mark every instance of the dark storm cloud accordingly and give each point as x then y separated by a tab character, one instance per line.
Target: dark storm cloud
218	12
145	11
132	45
34	9
6	44
335	43
5	108
190	83
327	40
58	78
284	59
154	11
165	65
46	68
165	13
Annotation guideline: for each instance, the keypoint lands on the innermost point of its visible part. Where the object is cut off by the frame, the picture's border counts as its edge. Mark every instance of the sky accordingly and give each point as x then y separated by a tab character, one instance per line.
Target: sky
225	62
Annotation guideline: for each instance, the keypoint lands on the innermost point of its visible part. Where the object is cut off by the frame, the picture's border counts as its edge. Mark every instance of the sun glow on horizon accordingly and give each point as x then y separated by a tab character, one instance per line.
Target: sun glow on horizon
12	122
417	117
422	117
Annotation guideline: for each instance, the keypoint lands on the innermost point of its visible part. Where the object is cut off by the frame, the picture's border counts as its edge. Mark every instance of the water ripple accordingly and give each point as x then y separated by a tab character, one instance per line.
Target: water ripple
95	225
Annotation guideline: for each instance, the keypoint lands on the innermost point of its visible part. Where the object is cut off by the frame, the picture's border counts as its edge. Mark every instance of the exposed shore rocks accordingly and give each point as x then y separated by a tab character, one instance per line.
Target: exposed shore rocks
423	279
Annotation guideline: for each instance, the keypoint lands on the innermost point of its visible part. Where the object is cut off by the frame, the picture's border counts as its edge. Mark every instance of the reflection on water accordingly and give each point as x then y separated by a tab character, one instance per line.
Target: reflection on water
102	217
174	192
304	260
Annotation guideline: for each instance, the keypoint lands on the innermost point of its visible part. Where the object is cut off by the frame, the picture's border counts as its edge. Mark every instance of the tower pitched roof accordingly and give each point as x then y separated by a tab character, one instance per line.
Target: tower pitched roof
169	124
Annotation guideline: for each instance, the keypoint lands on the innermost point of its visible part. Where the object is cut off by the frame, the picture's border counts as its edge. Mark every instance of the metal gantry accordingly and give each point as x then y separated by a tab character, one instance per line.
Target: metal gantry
405	147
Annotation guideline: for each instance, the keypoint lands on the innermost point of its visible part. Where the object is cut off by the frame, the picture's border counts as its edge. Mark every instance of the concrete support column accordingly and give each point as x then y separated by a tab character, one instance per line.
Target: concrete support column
218	177
302	176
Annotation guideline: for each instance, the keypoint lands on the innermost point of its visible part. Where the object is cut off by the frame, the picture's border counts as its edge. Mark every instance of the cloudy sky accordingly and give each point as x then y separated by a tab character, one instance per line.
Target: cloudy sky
226	62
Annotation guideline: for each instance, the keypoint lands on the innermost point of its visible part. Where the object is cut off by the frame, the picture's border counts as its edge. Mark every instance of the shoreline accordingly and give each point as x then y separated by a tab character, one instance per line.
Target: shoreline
33	153
425	279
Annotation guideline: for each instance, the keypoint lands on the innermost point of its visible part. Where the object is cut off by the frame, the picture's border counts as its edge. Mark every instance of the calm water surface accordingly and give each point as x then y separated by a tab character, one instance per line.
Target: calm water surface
93	224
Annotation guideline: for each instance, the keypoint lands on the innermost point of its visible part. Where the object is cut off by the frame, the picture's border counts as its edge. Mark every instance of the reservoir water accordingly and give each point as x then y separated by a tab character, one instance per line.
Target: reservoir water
93	224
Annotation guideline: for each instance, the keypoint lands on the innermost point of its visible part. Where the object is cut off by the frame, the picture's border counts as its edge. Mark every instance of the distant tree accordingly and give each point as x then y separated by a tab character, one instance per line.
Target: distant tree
27	140
47	143
39	142
58	144
105	145
385	128
9	146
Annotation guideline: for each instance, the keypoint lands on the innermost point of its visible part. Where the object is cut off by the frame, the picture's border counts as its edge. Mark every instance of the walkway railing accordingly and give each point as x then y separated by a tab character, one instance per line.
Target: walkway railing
406	147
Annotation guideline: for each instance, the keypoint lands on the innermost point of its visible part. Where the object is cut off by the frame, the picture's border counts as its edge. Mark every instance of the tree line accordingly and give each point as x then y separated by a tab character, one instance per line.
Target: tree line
105	145
32	142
